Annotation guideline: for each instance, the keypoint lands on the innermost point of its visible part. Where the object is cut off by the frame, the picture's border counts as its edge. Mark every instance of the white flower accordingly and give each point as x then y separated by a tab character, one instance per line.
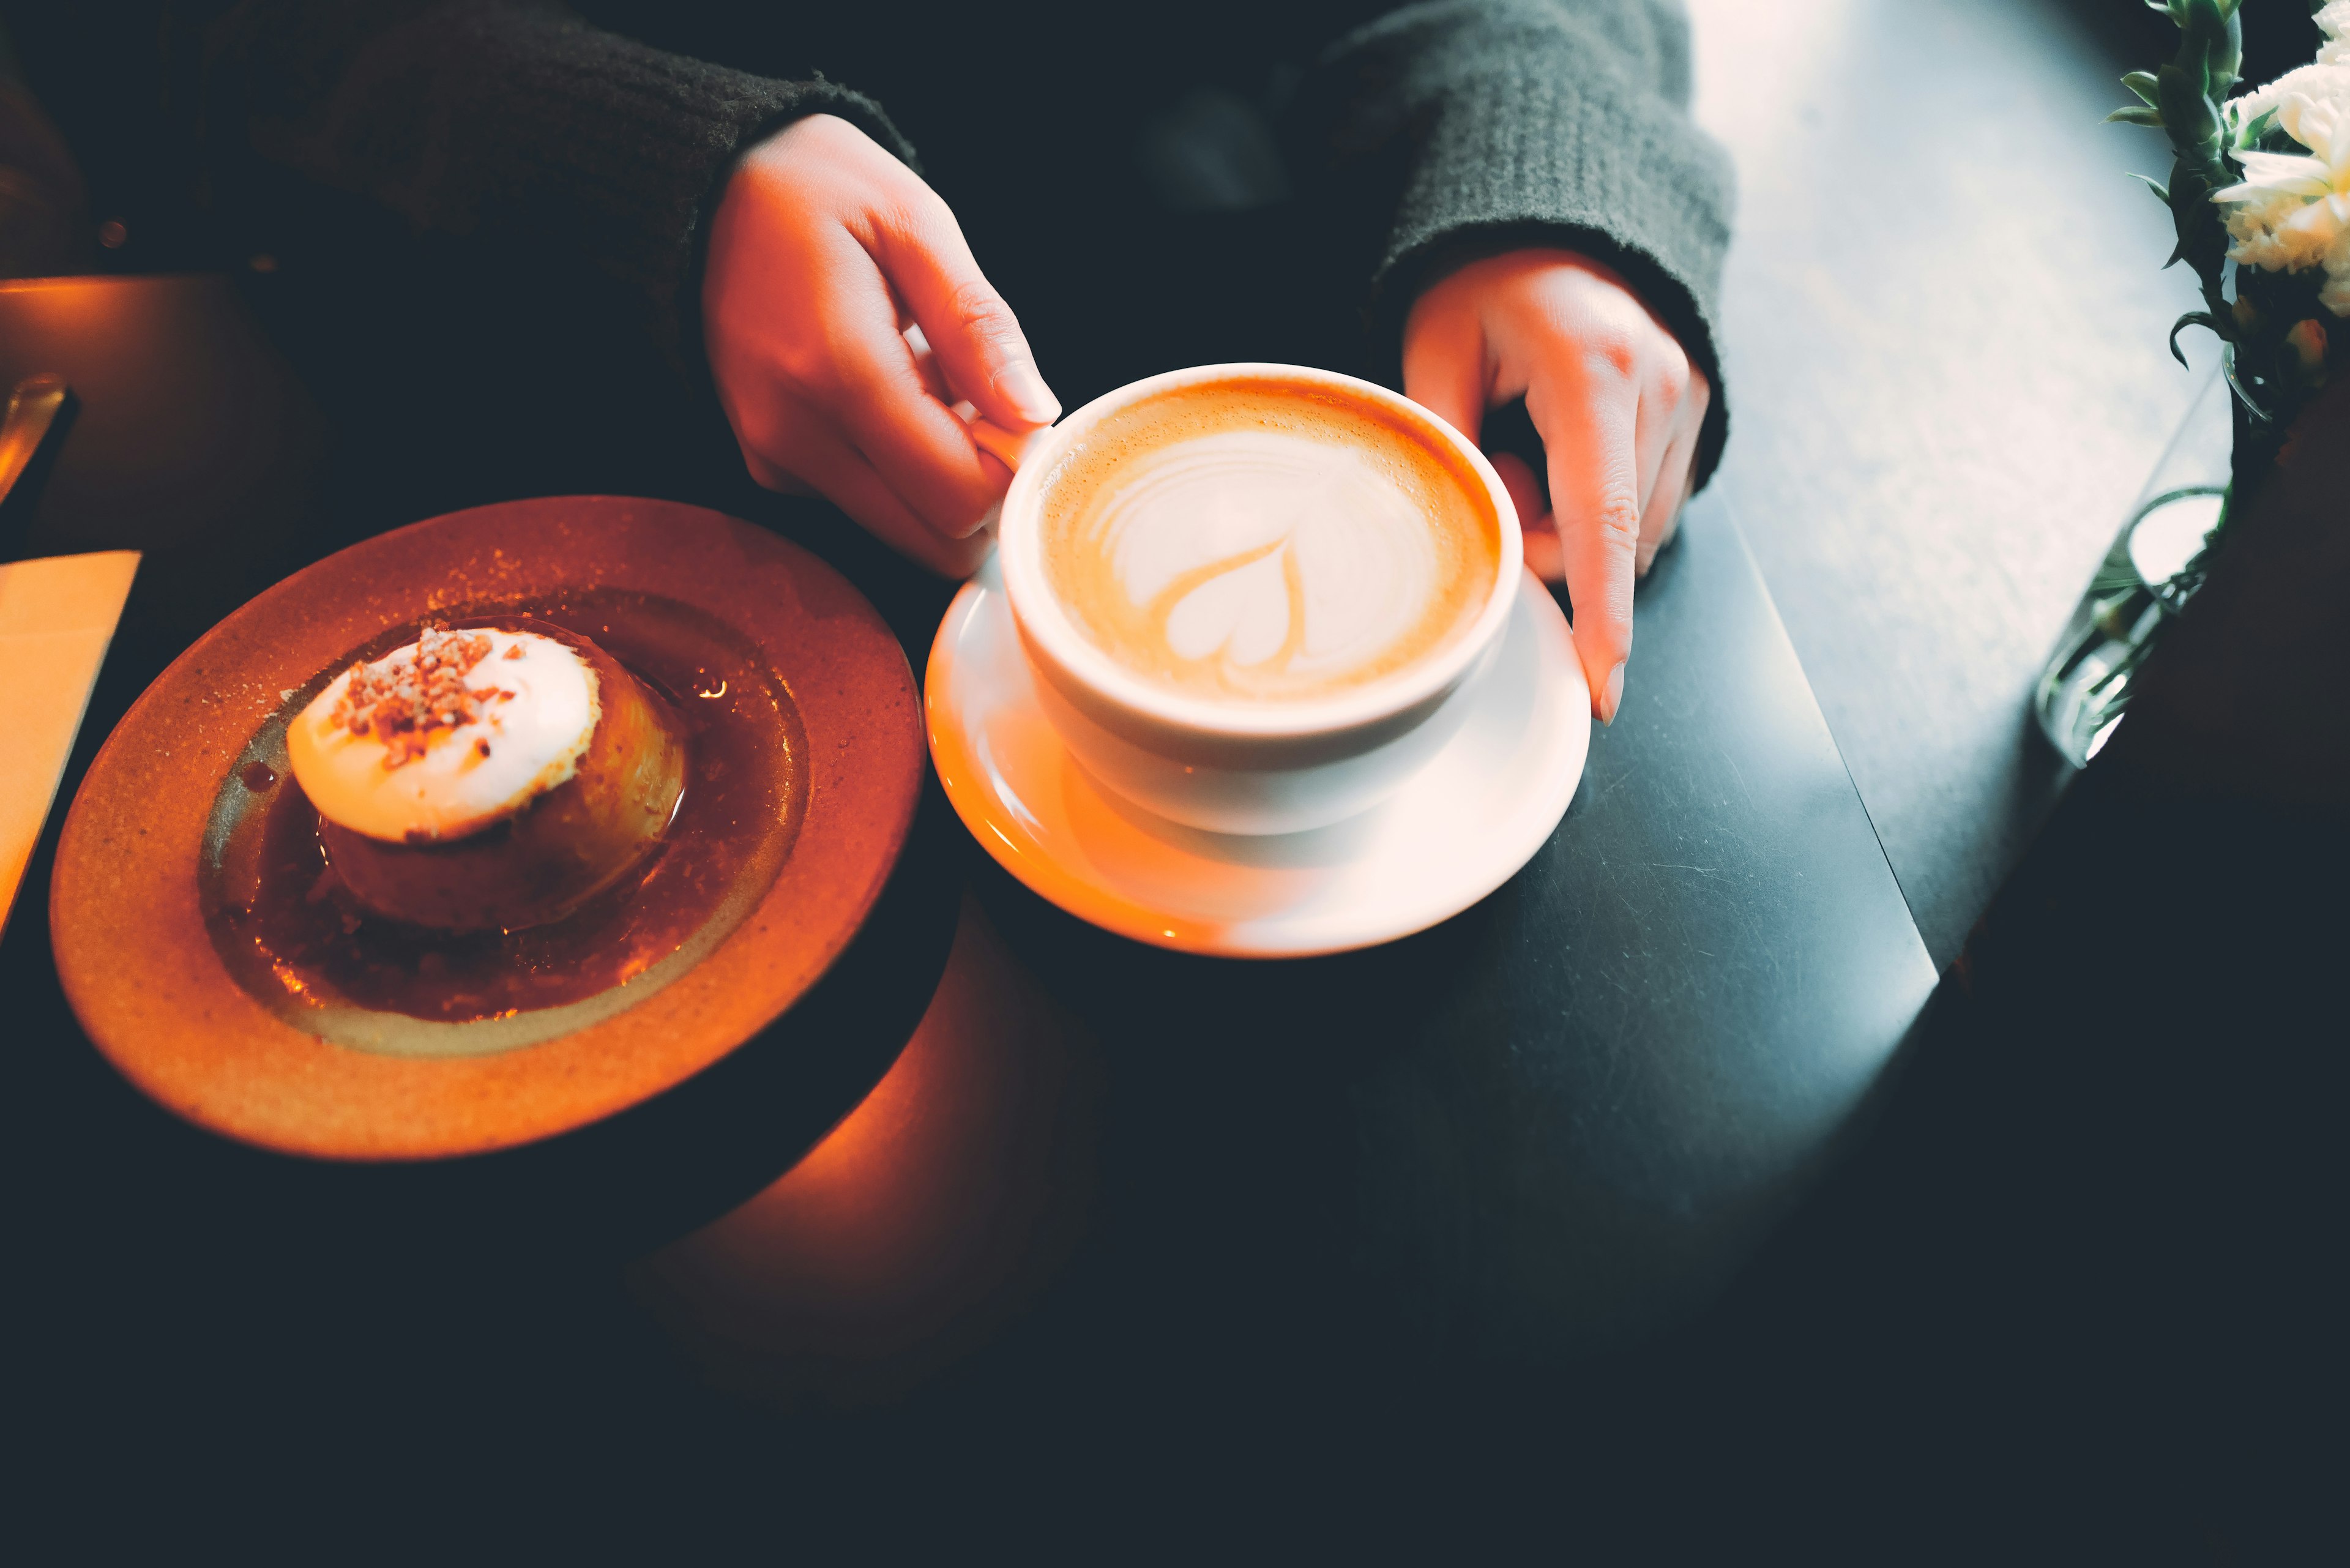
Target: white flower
2334	20
2308	80
2292	211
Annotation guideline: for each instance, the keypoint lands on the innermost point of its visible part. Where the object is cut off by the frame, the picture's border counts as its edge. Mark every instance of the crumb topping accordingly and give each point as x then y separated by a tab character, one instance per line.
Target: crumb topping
418	691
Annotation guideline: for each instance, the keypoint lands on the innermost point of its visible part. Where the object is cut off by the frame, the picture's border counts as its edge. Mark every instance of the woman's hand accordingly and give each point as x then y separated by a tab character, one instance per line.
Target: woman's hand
1616	400
824	253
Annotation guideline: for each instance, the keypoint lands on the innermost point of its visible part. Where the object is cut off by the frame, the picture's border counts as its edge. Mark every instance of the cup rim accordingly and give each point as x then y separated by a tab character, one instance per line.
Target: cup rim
1048	628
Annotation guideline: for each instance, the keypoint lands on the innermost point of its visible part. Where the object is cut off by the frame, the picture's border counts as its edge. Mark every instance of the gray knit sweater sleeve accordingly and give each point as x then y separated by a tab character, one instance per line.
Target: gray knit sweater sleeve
1467	126
501	121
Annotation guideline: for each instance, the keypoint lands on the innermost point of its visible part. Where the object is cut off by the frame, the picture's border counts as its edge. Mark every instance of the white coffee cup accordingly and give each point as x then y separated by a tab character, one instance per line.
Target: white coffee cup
1227	766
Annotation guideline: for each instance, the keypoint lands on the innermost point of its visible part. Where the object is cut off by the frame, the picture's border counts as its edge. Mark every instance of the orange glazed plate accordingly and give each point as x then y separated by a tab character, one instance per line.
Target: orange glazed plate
622	1038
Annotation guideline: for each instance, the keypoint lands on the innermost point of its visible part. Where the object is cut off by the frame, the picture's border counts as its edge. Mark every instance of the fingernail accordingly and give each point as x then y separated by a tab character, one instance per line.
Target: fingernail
1611	696
1021	383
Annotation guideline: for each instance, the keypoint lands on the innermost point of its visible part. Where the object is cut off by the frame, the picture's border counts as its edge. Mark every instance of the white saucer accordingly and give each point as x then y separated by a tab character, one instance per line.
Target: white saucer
1458	830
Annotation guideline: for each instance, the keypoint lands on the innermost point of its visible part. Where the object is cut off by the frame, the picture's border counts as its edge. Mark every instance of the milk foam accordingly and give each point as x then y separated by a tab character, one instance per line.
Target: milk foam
468	776
1281	556
1252	549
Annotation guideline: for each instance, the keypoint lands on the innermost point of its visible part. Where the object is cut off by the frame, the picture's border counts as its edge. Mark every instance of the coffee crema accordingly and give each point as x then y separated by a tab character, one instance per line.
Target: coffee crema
1265	540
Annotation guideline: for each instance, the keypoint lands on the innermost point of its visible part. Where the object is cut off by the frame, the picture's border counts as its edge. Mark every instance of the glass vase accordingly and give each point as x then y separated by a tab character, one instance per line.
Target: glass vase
2083	689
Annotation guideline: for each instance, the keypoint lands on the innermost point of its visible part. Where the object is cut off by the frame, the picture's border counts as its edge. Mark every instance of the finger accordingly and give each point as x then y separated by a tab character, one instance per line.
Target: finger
1660	519
1664	404
1663	515
850	483
934	382
987	358
1533	515
921	450
926	365
1589	424
1544	557
801	454
1444	369
1525	492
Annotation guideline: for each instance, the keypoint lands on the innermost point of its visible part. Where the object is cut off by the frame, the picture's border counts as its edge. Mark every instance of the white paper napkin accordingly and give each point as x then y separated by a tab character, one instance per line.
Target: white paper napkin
56	617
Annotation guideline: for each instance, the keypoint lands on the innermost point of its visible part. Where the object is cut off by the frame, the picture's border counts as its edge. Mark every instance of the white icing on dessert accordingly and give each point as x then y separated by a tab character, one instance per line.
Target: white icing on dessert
448	736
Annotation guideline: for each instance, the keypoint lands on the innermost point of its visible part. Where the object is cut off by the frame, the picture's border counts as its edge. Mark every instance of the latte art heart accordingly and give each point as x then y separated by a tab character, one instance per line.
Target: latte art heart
1263	553
1244	545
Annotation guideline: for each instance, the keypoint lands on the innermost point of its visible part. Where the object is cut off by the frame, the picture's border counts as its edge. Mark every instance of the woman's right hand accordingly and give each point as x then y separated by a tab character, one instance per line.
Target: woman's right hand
825	250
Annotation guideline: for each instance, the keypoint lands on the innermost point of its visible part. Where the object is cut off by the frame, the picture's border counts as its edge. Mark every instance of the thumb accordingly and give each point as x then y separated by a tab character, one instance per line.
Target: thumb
977	339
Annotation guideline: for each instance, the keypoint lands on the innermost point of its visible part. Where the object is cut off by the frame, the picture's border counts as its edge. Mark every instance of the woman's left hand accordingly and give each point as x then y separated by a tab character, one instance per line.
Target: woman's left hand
1616	400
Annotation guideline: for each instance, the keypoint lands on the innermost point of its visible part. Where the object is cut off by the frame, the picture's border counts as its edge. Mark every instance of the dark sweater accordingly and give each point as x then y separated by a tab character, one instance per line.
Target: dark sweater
600	133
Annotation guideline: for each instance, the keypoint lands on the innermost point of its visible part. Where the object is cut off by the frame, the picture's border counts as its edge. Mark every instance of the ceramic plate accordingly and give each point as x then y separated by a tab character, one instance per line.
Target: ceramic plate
1458	830
149	971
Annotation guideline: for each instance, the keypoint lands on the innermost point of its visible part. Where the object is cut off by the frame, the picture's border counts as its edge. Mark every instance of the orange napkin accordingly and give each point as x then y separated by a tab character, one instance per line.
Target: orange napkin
56	617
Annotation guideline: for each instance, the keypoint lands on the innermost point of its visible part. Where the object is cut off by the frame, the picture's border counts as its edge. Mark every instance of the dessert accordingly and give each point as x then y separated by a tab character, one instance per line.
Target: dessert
487	778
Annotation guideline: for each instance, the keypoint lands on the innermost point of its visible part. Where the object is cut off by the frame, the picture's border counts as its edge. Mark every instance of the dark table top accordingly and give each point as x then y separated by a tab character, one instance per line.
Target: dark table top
1563	1117
1652	1033
1943	320
1526	1139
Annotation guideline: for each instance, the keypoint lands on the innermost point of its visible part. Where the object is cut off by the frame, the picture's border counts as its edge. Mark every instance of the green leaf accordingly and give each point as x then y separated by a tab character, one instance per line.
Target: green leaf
2192	318
2191	117
2212	49
2154	185
2202	236
2190	191
2143	84
2135	114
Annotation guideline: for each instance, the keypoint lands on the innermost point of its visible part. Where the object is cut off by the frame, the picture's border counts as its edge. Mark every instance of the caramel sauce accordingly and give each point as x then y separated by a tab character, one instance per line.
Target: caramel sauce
295	938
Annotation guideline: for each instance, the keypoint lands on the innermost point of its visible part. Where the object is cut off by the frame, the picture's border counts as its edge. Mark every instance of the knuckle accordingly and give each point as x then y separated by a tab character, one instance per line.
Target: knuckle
981	313
887	221
812	365
914	211
1619	526
906	215
1612	353
1615	517
1674	385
